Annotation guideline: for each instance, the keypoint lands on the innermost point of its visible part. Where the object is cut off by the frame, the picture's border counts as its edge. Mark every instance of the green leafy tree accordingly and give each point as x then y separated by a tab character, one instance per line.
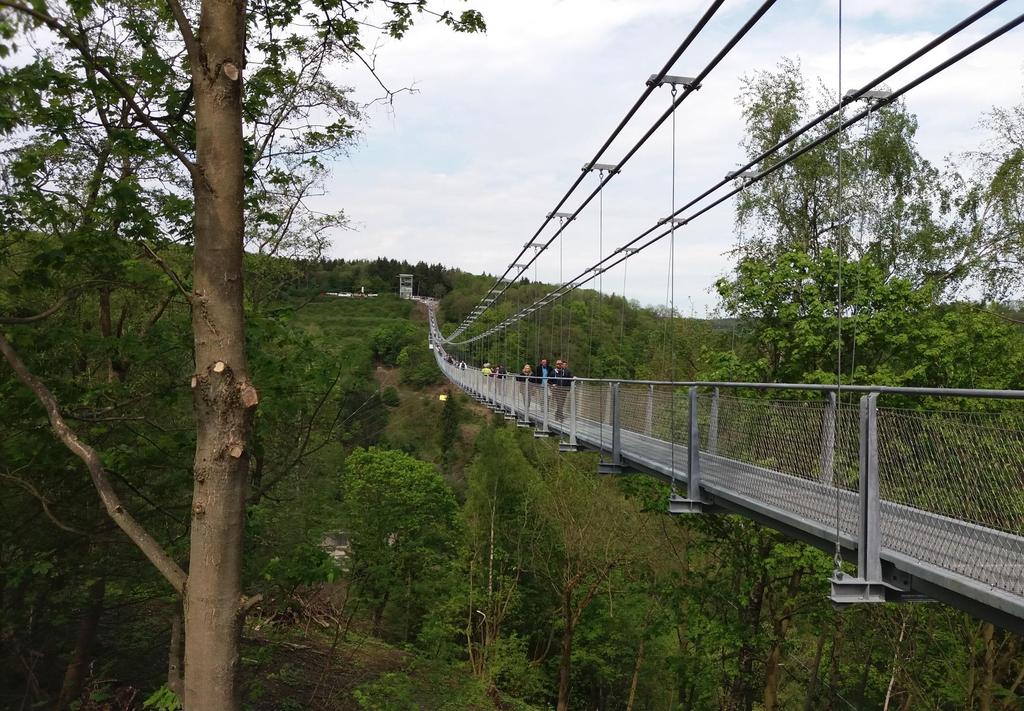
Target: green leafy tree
402	520
149	100
451	416
390	339
419	368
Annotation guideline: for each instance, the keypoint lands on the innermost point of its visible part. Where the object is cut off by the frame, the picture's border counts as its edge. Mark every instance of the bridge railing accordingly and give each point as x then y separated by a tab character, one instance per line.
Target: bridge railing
966	467
933	478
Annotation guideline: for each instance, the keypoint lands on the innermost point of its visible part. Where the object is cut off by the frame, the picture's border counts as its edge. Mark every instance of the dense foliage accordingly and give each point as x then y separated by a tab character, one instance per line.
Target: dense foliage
410	551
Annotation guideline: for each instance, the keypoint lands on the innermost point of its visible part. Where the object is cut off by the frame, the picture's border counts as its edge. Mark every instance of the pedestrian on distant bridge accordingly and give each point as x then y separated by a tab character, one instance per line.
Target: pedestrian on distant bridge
545	371
561	379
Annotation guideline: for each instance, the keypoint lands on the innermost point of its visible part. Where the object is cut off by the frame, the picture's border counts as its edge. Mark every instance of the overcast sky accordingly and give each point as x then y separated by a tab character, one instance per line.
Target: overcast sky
463	171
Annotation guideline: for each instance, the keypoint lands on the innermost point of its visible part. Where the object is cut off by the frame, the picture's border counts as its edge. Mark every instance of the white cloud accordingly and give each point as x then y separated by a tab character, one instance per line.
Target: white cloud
464	171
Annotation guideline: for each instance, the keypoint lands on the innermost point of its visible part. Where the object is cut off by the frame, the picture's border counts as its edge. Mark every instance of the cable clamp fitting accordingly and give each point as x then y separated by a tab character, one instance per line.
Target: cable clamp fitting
673	220
872	96
687	82
606	167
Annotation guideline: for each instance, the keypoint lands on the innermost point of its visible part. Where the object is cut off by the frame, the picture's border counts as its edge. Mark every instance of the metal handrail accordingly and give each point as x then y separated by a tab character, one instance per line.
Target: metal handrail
815	387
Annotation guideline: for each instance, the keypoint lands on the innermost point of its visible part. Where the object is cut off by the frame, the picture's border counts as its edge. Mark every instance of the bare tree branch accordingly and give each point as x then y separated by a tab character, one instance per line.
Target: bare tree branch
135	532
151	321
167	269
195	51
44	502
79	43
13	320
69	295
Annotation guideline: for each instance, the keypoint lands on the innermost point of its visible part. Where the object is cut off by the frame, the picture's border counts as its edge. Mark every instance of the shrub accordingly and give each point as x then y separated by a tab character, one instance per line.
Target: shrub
389	396
389	339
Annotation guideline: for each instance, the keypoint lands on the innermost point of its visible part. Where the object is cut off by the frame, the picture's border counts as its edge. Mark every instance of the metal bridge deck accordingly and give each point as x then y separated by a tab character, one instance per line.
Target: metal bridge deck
945	516
810	508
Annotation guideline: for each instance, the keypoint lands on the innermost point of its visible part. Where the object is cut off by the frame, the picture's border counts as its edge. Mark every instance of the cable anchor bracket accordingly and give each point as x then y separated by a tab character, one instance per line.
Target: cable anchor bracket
680	221
686	82
874	97
603	167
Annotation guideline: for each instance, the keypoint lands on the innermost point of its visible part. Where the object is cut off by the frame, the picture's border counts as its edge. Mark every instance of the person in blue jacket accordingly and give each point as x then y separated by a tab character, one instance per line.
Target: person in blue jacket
545	371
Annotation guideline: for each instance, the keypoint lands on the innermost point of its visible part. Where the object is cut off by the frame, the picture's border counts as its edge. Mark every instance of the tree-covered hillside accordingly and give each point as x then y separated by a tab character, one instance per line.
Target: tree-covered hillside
225	488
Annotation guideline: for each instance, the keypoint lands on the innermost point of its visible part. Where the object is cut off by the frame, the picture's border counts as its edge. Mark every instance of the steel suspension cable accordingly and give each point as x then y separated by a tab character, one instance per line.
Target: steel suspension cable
651	85
789	157
622	319
596	302
538	320
838	558
561	311
861	253
672	312
694	32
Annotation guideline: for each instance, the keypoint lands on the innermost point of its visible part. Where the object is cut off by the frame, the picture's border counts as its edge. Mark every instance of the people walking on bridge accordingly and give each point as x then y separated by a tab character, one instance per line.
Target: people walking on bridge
526	374
561	379
486	370
545	371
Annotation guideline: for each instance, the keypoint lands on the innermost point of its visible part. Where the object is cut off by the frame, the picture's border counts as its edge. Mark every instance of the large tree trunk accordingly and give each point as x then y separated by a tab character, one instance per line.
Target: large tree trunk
773	667
636	675
741	691
565	658
74	675
834	671
810	699
176	653
988	677
222	395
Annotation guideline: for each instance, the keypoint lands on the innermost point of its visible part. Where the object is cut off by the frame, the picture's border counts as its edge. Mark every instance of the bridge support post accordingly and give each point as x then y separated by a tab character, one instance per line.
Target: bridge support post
495	390
869	564
545	412
713	424
510	388
615	465
693	502
828	438
525	421
869	585
649	415
693	449
572	445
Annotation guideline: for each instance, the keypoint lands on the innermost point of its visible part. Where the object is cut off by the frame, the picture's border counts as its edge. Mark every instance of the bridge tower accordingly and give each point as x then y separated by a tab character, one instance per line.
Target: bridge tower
405	286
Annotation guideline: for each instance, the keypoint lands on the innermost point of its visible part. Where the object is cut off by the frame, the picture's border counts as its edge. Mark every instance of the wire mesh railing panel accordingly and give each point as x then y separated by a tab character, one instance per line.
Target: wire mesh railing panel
787	436
707	420
670	414
951	484
559	406
593	412
967	467
635	407
525	400
593	404
798	456
532	400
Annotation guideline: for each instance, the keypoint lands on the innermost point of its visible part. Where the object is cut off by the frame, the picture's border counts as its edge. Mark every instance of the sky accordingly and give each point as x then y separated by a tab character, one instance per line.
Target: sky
464	170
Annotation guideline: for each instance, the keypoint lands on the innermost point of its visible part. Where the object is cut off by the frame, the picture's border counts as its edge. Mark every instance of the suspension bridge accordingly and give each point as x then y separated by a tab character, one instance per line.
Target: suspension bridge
921	488
927	502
